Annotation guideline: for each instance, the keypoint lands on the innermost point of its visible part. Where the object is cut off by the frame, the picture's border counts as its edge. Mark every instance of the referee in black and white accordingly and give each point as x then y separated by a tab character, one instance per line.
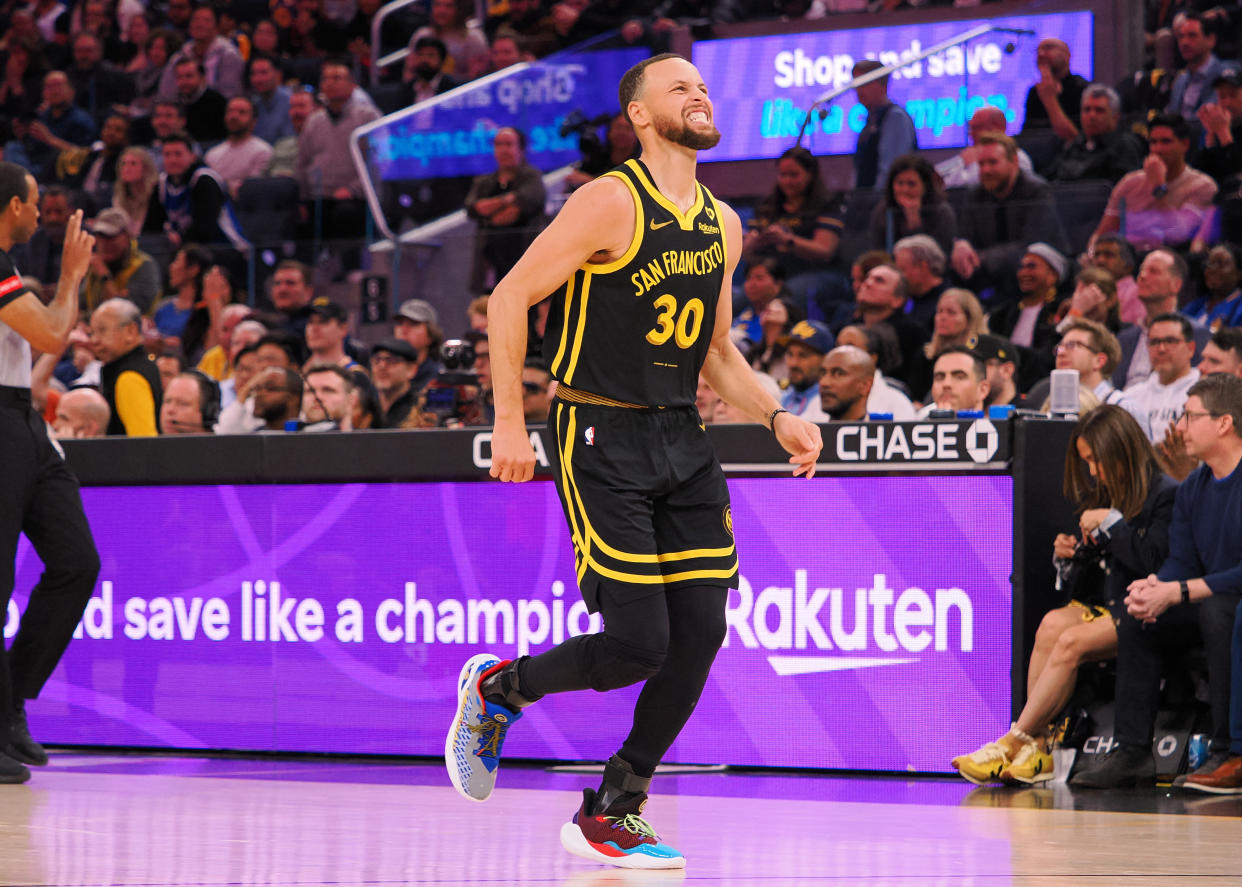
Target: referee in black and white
38	493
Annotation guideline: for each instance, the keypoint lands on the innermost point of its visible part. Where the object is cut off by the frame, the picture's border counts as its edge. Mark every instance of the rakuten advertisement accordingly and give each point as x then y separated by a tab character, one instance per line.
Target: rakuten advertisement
762	87
871	630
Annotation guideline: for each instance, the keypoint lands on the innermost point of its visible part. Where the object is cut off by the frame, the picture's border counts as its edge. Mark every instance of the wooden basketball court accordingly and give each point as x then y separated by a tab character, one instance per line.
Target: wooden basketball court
103	819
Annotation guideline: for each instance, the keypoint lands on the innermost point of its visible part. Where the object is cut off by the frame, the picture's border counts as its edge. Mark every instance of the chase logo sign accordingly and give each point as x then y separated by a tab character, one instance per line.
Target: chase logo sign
974	443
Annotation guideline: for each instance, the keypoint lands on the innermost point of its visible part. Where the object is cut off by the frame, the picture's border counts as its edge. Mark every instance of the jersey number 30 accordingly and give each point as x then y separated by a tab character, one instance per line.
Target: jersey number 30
686	327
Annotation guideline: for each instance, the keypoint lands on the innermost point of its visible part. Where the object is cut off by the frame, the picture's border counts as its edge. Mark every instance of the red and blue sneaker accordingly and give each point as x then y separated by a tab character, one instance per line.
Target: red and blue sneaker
472	748
618	836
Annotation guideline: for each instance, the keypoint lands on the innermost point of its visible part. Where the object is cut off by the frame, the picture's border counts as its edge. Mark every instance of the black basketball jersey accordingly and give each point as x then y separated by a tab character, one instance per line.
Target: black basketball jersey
637	329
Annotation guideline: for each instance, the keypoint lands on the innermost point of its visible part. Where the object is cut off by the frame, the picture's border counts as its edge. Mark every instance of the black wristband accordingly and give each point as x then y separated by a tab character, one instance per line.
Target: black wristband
772	418
1185	587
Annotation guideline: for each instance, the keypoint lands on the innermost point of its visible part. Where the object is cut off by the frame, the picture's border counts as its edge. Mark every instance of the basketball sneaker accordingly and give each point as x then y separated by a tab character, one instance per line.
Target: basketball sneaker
1031	765
618	836
982	766
472	748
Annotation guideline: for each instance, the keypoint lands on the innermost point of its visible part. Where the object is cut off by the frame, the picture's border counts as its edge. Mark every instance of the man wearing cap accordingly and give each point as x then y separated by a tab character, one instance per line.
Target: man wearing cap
889	132
846	382
417	324
1000	359
1221	156
809	341
326	330
1029	322
119	269
393	365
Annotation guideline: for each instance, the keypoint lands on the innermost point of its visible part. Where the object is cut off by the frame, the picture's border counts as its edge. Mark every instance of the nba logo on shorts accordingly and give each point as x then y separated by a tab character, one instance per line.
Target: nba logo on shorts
589	436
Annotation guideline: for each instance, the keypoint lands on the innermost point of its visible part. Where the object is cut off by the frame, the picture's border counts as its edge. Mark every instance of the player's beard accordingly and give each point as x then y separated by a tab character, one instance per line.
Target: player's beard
677	132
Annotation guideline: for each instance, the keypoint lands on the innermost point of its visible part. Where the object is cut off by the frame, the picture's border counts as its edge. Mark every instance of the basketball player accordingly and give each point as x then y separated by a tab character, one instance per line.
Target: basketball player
38	492
640	262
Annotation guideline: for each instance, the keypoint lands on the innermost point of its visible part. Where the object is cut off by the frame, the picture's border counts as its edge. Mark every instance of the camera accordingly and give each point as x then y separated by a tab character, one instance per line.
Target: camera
454	396
592	147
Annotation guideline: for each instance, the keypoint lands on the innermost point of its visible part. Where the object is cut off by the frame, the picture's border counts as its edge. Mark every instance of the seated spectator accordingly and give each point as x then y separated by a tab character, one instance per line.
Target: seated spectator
507	205
1221	156
1005	213
327	328
147	66
99	87
212	52
191	204
962	169
270	98
40	256
1160	281
277	394
203	329
284	162
845	385
242	155
238	417
202	106
1031	321
169	363
128	379
81	412
167	120
959	320
1171	346
1124	507
424	70
418	325
1102	150
800	224
1223	353
887	134
217	361
881	299
914	203
530	23
765	281
92	172
1094	298
393	364
329	398
23	79
1091	349
185	283
1192	88
922	263
1000	358
505	52
1193	597
1165	202
880	344
467	47
1113	254
767	355
191	404
1055	101
959	382
119	269
809	341
325	168
476	315
537	391
136	180
1221	304
705	400
59	125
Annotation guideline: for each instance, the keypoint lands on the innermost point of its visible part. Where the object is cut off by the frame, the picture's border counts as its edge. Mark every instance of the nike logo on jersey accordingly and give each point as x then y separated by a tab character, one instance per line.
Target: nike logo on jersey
655	227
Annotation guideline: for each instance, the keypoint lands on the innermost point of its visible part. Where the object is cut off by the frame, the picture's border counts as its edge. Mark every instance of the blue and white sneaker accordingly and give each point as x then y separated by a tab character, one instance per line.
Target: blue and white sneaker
472	748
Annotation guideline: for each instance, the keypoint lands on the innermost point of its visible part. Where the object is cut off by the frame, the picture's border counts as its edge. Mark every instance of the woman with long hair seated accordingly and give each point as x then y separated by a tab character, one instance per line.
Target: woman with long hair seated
914	203
1125	505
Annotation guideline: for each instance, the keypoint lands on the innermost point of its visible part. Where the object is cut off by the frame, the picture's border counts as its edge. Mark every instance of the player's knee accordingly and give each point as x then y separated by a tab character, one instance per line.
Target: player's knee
626	664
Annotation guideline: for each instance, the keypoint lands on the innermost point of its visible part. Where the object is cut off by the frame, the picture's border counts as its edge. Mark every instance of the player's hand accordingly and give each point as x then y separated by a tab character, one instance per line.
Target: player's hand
79	245
513	458
802	440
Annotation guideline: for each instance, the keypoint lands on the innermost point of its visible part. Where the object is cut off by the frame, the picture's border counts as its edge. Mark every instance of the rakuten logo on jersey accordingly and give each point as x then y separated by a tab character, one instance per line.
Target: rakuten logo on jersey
876	626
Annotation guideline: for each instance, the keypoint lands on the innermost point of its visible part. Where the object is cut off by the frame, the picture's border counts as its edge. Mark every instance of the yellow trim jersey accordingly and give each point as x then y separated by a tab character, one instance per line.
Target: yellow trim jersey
637	329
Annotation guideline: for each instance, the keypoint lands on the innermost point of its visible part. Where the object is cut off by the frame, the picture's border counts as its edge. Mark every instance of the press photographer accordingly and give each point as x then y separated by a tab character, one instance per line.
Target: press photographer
598	155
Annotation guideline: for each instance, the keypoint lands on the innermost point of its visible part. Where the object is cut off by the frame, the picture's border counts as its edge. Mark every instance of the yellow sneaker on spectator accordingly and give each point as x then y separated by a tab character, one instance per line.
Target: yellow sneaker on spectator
982	766
1031	765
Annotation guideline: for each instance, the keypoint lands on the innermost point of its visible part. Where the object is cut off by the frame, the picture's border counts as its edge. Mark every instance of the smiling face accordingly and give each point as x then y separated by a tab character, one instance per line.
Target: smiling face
672	100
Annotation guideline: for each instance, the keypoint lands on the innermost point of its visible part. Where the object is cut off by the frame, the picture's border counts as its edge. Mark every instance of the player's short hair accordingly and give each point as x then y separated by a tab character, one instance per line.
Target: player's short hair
632	80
